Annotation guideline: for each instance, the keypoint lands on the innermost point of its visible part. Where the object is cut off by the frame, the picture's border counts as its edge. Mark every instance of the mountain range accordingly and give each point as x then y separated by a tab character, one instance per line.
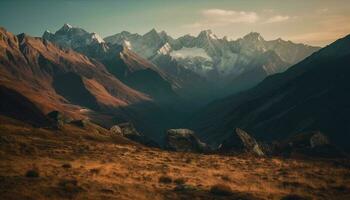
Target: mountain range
206	66
273	89
219	61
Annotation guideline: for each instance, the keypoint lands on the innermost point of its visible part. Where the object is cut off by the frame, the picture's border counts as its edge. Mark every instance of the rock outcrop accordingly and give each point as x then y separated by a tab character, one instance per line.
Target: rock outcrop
184	140
310	144
312	139
129	131
241	142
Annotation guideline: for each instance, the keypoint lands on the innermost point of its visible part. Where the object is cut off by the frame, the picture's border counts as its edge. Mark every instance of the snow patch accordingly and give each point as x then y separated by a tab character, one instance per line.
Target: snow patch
97	38
213	36
165	49
127	44
190	53
69	26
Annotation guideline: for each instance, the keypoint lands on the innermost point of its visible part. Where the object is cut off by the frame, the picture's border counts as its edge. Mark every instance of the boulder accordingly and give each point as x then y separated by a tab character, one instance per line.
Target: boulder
116	130
310	139
318	139
309	144
239	142
129	131
57	118
184	140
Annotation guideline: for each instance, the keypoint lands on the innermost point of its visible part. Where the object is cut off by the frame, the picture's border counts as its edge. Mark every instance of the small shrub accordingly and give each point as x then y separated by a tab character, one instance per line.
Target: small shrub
179	181
165	179
185	187
95	171
220	189
33	173
67	165
70	186
225	178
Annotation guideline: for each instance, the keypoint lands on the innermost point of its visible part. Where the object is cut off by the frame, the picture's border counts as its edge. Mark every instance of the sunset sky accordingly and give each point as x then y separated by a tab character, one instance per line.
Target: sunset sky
315	22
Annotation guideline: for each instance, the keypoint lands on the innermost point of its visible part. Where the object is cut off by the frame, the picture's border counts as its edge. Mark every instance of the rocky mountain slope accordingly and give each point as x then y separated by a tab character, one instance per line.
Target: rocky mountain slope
58	78
130	68
311	95
55	78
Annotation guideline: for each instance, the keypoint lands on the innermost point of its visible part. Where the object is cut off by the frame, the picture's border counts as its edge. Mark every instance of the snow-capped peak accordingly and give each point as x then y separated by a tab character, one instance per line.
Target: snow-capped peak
96	37
67	26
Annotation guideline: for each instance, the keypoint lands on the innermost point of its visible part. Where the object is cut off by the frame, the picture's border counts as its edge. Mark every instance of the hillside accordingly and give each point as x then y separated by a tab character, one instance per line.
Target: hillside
311	95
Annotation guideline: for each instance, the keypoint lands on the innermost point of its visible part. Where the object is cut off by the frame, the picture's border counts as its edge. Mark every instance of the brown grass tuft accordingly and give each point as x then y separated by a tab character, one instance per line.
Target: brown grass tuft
32	173
165	179
221	189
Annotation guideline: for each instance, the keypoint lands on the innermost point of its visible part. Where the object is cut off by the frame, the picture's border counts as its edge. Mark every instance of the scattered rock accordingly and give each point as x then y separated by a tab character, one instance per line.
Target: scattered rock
310	144
310	139
241	141
184	140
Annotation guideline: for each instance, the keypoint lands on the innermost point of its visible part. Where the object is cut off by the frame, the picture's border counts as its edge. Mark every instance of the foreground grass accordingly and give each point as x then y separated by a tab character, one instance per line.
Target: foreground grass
76	164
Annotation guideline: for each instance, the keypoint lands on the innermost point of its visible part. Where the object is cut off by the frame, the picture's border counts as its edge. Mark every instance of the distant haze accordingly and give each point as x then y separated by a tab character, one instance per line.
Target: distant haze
315	22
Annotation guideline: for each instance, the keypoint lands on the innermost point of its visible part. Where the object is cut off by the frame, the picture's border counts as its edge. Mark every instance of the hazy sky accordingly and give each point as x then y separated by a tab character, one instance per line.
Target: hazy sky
316	22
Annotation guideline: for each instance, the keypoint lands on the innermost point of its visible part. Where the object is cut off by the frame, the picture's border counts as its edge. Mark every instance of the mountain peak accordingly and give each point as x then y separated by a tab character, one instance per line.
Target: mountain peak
205	32
208	34
47	35
163	34
66	27
254	36
151	34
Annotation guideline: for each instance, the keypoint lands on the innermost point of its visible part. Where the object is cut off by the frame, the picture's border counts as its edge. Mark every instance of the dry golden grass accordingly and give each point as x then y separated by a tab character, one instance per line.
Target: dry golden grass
90	164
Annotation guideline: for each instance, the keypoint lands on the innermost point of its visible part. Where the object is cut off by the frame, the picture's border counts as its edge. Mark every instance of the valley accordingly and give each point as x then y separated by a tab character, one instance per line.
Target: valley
164	100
